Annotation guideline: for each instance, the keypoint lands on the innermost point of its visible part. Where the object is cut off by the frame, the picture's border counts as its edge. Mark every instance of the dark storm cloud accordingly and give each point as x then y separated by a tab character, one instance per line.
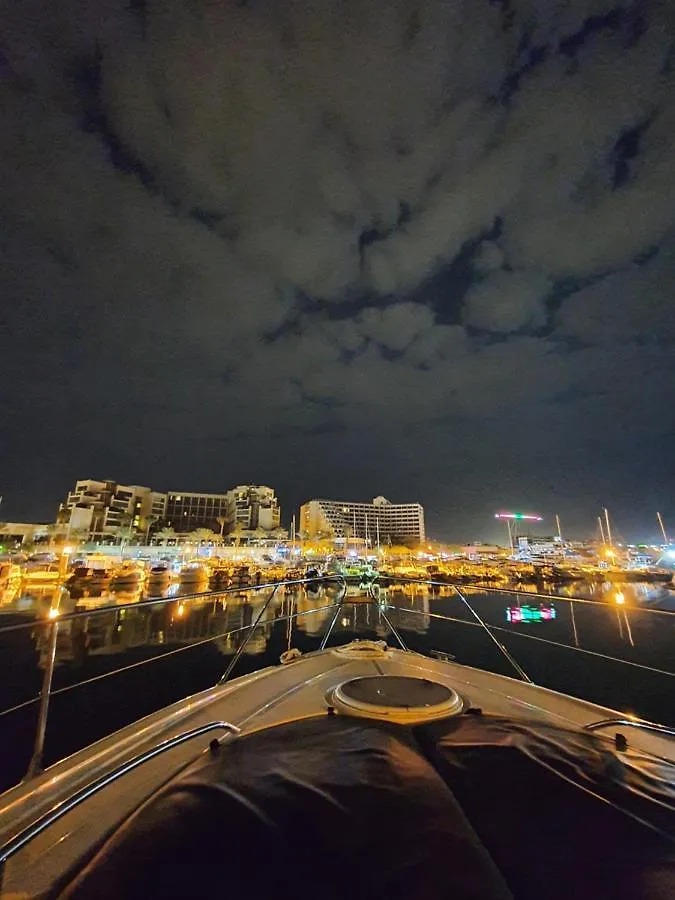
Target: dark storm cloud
222	221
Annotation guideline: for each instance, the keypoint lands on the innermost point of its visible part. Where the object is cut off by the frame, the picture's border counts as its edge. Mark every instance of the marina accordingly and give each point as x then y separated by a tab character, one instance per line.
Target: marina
337	539
115	652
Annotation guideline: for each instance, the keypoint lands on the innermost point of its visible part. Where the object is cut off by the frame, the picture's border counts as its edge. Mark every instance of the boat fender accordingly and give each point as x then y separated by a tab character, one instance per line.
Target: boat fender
289	656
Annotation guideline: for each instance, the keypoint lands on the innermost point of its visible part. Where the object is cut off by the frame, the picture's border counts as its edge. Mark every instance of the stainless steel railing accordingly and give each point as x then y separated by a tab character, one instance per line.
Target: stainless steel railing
158	601
25	835
631	723
387	610
375	597
466	590
35	765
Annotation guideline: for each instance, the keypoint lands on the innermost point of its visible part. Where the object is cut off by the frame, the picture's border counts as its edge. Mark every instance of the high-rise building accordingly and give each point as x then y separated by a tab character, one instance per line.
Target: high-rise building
101	508
254	506
186	511
245	508
380	520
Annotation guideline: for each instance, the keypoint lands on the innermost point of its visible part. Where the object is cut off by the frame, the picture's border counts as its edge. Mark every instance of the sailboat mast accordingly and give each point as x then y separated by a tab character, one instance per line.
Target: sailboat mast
508	528
609	530
602	531
663	527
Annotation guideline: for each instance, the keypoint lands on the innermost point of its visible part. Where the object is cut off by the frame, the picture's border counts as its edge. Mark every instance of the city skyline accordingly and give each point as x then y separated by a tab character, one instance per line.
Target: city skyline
486	528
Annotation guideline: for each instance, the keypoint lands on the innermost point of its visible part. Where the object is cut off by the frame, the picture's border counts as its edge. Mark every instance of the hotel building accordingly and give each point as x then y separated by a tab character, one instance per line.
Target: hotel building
380	521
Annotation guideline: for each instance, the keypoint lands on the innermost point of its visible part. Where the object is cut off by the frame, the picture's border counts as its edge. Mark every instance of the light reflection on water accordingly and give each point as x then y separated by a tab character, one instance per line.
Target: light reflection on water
212	629
177	622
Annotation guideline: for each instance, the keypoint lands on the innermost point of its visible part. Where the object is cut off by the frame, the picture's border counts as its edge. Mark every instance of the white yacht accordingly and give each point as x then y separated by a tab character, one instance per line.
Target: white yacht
42	568
194	572
359	770
128	574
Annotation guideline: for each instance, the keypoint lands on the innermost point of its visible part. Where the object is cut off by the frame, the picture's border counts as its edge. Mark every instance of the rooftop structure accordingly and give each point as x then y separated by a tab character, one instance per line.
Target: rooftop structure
103	508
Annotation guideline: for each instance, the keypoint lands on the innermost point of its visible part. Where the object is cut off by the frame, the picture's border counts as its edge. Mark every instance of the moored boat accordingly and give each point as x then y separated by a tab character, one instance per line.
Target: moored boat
10	575
91	570
42	569
194	572
159	574
128	575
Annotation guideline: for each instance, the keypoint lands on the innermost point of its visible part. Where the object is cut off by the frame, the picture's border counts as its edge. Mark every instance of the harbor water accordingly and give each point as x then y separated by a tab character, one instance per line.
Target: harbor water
167	651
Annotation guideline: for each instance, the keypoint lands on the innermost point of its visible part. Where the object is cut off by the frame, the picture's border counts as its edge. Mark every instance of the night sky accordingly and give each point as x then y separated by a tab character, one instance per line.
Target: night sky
347	248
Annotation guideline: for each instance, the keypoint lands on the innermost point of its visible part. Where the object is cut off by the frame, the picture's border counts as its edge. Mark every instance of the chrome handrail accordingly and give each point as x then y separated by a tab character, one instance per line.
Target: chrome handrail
521	672
338	603
532	637
27	833
338	606
490	589
35	765
240	649
145	662
376	599
631	723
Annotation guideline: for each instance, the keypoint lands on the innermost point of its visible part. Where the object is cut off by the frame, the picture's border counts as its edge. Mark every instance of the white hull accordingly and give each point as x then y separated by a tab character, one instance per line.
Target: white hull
263	699
125	580
40	577
194	578
159	577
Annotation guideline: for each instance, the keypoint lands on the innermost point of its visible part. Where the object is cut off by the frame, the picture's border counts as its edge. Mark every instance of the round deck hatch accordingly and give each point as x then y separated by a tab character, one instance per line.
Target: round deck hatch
398	698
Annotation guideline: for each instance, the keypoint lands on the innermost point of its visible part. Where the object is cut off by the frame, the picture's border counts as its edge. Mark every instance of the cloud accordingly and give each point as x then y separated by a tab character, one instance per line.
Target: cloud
230	215
397	326
632	305
507	301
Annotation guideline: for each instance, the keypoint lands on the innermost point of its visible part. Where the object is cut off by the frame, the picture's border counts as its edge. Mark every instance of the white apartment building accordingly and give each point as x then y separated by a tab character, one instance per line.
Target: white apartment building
254	506
100	508
380	521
